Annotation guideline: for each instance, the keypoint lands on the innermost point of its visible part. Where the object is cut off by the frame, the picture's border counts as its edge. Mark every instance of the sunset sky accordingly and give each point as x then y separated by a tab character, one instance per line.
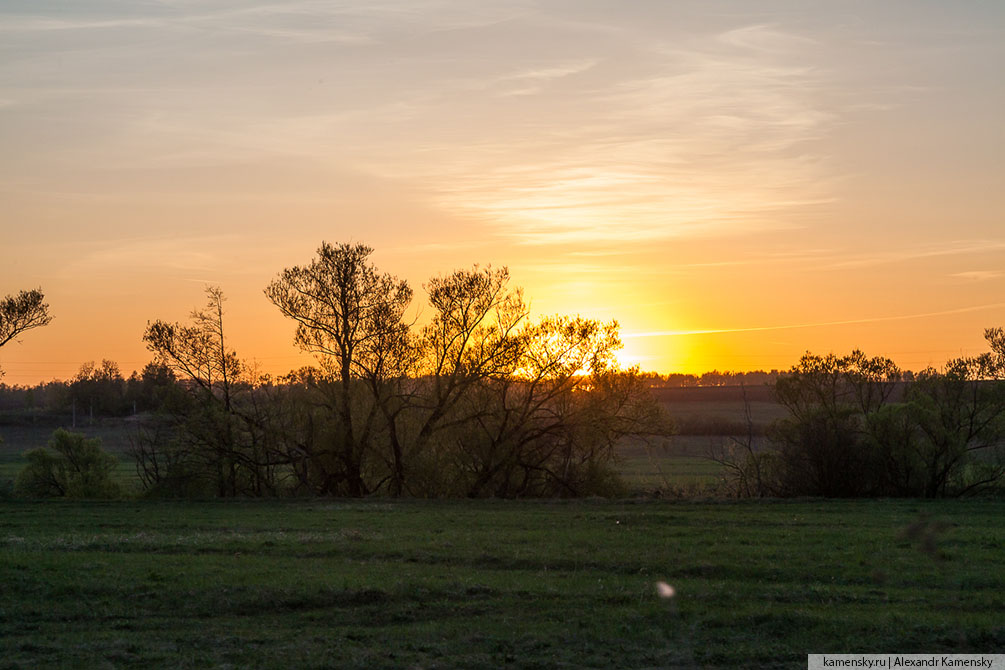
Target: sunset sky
734	182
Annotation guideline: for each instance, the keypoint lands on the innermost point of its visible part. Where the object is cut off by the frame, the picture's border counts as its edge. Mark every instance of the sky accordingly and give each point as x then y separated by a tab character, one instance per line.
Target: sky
735	183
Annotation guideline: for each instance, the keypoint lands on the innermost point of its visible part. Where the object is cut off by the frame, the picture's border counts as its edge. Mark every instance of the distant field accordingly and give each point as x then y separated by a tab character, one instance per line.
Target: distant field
703	408
705	417
379	584
680	464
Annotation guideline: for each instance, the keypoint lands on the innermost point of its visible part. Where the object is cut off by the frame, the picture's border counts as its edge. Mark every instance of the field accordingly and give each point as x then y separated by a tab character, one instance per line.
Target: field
476	584
704	418
379	584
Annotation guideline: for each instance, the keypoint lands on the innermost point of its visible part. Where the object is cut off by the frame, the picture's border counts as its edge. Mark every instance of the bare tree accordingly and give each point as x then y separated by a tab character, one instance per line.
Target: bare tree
551	423
473	336
218	438
198	352
744	467
350	316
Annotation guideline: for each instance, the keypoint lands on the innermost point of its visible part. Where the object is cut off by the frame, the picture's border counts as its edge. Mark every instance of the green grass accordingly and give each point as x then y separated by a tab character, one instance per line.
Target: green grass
379	584
667	472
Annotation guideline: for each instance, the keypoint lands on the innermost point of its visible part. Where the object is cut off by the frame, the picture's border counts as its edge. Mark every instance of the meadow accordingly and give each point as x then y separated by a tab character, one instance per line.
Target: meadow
475	584
381	583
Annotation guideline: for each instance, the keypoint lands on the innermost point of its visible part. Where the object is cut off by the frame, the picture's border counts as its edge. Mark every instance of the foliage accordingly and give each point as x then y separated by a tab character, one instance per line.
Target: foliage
855	429
478	402
100	389
959	420
79	468
22	312
209	436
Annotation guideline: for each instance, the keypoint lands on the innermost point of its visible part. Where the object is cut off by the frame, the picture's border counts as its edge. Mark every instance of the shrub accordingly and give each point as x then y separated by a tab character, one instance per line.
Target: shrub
76	467
821	453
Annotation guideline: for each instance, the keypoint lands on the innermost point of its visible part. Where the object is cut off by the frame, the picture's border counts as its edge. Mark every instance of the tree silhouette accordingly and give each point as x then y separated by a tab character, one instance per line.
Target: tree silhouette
349	315
22	312
213	440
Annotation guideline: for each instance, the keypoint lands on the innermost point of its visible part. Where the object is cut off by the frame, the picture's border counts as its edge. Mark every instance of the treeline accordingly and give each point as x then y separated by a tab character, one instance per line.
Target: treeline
856	428
102	390
483	402
95	392
480	401
713	378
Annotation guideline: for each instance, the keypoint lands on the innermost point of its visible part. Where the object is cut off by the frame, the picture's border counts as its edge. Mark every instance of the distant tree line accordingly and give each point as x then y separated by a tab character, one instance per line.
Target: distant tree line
97	391
713	378
749	378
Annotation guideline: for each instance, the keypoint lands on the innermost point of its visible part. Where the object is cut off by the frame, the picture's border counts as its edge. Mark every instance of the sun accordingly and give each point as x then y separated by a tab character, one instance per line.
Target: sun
629	356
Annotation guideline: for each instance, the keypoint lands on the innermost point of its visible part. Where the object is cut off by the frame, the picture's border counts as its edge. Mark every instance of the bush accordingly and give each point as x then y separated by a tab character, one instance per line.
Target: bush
79	468
854	429
821	453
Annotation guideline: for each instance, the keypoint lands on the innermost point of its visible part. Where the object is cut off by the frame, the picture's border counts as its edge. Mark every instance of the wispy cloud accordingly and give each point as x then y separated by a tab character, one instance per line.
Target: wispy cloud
530	82
979	275
204	255
765	38
917	252
706	141
586	137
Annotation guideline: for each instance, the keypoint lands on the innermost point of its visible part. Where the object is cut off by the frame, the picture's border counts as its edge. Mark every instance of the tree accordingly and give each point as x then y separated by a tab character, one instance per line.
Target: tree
504	407
855	428
473	337
214	441
959	416
477	402
79	468
823	447
945	437
22	312
99	388
350	316
550	426
198	352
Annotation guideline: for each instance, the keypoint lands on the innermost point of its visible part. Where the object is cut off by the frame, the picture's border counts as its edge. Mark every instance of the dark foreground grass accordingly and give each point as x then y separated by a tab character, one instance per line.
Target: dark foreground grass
410	584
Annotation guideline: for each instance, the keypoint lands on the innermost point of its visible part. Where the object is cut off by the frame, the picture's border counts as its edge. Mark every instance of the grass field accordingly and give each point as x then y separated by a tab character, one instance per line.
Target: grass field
418	584
380	584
